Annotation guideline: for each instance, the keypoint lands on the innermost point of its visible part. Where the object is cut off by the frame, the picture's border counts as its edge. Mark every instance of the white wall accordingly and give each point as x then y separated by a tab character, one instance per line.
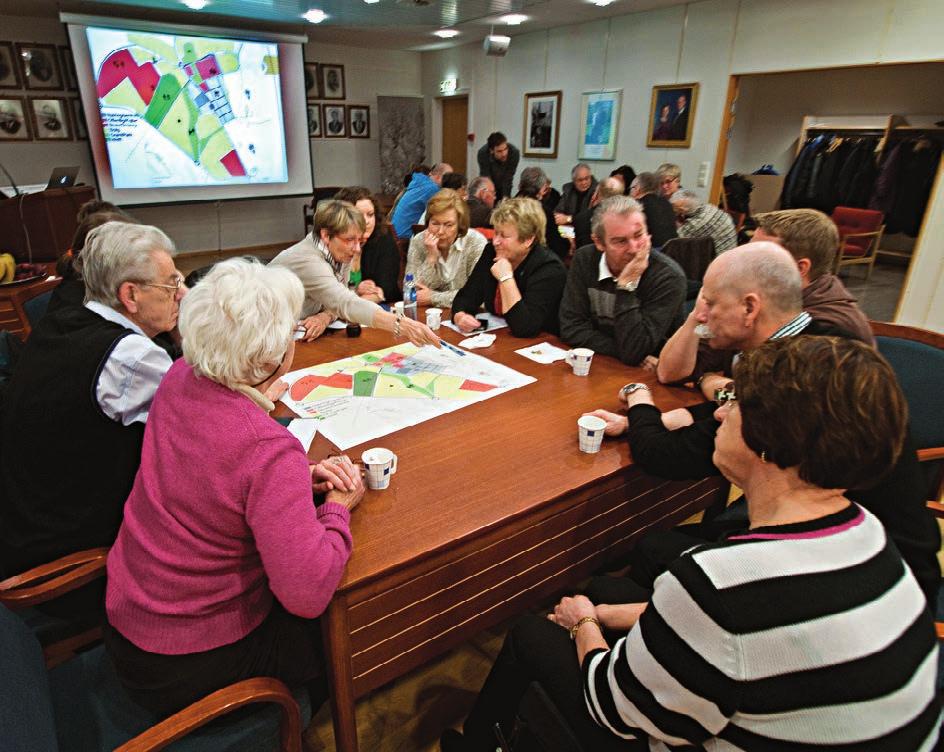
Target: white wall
704	42
236	224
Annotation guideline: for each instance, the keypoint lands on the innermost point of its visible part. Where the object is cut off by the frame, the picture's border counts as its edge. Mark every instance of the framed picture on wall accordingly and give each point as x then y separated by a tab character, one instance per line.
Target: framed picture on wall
78	120
39	66
358	120
541	123
599	124
314	120
50	119
332	81
334	122
9	68
14	121
311	81
672	115
68	69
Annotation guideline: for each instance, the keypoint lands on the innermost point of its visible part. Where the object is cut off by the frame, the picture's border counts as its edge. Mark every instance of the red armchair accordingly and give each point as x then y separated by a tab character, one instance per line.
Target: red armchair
860	232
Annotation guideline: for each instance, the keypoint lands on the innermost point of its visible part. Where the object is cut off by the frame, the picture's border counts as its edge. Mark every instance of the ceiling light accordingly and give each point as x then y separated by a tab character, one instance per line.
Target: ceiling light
601	3
513	19
371	2
446	33
315	16
195	4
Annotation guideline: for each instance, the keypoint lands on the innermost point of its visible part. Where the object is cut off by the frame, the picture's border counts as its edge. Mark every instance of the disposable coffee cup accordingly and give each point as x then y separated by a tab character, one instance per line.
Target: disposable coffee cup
380	464
590	433
579	359
398	308
433	318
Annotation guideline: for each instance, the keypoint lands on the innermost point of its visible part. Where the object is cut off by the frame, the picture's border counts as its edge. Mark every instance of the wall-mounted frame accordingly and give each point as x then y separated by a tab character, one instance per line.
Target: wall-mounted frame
78	120
335	123
358	121
599	124
542	112
50	117
69	80
14	120
672	116
39	66
332	81
312	81
314	120
9	67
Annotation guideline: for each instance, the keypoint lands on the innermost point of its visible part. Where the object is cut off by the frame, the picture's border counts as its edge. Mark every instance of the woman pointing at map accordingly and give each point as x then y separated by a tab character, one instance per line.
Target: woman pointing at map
322	262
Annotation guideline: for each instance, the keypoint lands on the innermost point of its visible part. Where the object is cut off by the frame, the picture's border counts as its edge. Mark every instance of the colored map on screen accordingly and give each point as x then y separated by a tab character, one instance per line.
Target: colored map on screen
188	111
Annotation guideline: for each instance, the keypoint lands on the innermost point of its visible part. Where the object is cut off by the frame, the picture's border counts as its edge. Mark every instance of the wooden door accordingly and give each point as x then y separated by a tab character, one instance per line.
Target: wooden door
455	126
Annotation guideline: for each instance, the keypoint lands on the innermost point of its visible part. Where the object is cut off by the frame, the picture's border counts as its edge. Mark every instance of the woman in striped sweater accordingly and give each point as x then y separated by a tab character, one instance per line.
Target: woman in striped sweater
802	631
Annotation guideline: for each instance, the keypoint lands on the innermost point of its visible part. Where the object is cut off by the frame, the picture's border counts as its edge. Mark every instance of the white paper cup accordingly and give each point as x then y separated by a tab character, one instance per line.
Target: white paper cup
580	359
398	307
590	433
380	464
433	318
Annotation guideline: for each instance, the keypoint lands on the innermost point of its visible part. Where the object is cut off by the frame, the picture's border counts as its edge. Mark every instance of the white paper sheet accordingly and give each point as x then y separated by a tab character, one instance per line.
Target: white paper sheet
543	352
304	429
494	322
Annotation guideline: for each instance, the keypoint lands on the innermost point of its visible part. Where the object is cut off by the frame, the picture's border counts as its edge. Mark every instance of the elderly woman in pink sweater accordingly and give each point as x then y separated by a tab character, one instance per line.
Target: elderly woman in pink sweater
223	562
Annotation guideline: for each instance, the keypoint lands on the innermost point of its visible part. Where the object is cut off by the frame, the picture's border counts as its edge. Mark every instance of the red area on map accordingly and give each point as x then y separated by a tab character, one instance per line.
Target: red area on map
120	65
233	164
476	386
394	359
208	67
307	384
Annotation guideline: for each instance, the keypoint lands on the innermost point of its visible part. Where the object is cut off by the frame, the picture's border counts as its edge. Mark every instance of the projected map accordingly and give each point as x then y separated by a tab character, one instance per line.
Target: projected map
188	111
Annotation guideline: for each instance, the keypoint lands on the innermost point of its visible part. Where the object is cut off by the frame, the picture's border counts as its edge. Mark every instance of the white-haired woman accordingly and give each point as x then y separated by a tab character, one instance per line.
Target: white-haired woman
222	562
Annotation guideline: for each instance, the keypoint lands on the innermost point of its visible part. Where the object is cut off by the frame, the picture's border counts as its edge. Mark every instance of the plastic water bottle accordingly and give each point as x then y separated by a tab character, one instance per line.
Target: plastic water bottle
409	298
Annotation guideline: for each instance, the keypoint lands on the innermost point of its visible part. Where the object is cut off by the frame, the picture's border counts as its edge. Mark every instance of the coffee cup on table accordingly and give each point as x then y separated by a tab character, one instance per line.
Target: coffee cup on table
579	359
379	464
590	433
433	318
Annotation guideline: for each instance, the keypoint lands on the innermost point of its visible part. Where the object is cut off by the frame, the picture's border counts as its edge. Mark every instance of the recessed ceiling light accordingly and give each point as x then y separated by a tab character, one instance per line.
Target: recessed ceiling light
513	19
446	33
371	2
601	3
195	4
315	16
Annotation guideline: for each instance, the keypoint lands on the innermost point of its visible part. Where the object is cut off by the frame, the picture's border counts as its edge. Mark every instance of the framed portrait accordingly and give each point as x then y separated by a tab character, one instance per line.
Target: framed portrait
672	115
314	120
332	81
335	125
9	67
50	118
69	80
541	123
312	80
78	120
599	124
14	121
39	66
358	121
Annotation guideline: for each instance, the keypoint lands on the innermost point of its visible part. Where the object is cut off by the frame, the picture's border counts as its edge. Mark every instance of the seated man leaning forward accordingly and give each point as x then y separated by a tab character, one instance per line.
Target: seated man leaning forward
622	298
223	564
751	294
442	257
516	276
803	630
322	261
74	411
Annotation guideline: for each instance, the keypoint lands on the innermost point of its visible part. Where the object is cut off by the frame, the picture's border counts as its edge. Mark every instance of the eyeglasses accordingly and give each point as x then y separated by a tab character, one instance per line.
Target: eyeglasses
178	281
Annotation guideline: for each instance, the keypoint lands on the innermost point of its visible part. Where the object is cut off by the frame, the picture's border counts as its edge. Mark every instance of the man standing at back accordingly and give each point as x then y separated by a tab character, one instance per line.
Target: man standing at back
498	160
412	204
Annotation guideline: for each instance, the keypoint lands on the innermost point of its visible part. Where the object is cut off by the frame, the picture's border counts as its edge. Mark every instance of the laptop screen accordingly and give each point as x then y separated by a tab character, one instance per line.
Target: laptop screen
63	177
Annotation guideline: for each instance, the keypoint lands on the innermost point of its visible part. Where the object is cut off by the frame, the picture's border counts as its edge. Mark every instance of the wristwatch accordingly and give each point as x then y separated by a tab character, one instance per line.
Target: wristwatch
629	286
630	388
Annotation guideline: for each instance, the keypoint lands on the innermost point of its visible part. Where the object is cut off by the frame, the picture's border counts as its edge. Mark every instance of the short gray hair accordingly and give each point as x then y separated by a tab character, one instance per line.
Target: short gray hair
478	184
669	170
647	182
689	199
619	205
119	252
767	269
239	321
532	180
578	166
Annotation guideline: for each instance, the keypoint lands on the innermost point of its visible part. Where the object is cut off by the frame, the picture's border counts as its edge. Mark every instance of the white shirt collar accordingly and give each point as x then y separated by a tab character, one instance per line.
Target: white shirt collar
110	314
604	272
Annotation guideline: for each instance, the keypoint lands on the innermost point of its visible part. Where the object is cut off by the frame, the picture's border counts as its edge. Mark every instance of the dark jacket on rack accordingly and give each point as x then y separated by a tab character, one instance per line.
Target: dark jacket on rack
919	159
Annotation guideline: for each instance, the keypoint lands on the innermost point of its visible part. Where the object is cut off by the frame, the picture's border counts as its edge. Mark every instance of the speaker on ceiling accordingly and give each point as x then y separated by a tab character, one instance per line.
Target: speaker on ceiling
496	45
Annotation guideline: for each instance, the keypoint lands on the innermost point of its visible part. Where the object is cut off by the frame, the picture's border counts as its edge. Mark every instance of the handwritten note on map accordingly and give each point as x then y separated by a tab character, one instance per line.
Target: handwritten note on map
361	398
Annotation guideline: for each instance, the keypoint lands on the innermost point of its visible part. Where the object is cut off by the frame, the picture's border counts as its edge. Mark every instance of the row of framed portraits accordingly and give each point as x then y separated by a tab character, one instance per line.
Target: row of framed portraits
671	119
38	67
324	81
42	119
338	120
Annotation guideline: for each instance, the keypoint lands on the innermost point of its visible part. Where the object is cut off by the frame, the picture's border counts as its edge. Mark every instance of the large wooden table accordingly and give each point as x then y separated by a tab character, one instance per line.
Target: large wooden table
493	509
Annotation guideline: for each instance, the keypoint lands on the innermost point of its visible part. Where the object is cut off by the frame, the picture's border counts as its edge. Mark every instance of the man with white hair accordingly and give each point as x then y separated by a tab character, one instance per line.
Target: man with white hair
701	220
412	204
481	202
74	411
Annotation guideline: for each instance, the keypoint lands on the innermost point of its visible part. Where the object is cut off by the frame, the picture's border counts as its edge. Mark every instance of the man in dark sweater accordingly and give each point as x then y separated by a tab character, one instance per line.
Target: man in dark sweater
752	294
74	411
660	217
576	194
498	160
481	202
622	299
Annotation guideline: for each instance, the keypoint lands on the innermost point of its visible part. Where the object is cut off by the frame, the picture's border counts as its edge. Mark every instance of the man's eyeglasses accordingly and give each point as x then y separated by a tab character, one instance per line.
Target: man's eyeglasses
178	281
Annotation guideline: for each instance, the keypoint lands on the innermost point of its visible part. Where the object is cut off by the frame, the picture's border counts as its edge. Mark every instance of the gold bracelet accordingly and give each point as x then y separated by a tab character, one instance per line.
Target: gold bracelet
584	620
396	323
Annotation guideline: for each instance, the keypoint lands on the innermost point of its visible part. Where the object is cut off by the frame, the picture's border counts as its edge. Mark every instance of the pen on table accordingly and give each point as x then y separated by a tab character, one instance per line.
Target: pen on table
451	347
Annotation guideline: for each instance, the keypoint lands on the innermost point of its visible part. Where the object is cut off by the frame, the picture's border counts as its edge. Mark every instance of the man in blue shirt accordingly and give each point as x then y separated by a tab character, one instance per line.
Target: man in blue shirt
413	202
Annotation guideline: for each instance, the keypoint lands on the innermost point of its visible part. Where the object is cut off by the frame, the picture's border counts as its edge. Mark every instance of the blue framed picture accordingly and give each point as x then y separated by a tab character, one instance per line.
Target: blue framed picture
599	124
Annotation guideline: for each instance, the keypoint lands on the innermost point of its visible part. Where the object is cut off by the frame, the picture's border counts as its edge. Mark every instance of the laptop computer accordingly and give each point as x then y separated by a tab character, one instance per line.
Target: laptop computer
62	177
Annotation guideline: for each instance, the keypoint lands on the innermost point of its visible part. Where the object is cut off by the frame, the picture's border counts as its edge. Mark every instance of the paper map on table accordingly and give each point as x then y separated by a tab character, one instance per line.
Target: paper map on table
361	398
